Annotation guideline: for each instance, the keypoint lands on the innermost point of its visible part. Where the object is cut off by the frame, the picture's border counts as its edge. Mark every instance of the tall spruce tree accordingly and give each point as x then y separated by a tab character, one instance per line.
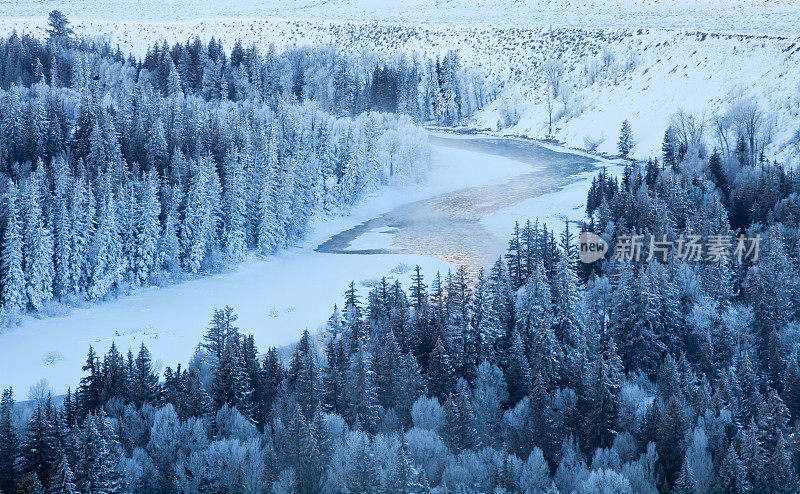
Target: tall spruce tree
362	406
40	454
12	293
143	382
9	443
440	371
303	375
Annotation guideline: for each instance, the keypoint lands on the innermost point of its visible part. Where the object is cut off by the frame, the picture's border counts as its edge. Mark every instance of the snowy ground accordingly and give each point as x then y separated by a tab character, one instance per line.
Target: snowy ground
741	16
377	238
276	299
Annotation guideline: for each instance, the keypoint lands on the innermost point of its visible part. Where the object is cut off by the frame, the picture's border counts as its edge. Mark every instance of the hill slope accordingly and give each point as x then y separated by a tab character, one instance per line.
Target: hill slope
740	16
640	60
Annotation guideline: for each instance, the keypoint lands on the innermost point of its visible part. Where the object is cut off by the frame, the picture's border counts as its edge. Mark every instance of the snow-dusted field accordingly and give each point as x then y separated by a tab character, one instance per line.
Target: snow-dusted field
276	299
741	16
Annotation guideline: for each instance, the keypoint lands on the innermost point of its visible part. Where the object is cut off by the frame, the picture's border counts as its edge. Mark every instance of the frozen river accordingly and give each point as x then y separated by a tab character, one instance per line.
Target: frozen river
461	214
448	226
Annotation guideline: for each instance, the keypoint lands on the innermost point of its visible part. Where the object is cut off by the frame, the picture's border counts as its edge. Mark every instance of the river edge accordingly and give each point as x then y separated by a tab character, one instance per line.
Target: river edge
276	298
450	226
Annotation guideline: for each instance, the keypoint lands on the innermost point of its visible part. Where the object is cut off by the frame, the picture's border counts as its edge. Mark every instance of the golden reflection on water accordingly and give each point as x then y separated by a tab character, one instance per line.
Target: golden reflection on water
448	226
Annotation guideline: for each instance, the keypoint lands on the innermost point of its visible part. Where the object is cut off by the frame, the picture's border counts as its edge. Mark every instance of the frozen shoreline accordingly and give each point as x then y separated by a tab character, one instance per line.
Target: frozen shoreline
275	298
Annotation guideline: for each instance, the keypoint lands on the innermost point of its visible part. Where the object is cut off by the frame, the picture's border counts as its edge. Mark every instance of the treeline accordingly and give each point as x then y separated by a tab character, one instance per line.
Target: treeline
341	84
542	375
110	182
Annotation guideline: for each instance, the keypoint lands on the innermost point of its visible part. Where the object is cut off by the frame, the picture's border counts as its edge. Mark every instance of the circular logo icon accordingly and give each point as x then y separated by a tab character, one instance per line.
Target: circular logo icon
591	247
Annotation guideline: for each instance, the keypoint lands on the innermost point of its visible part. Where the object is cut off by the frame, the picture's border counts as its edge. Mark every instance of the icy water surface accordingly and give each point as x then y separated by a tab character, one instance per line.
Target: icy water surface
448	226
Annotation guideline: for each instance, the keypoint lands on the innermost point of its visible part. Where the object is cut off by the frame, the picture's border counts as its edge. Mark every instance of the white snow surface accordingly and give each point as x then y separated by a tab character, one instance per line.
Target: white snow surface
377	238
275	298
745	16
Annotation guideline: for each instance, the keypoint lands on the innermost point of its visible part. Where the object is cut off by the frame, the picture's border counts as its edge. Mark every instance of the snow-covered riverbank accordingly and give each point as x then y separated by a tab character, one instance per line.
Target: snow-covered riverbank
276	299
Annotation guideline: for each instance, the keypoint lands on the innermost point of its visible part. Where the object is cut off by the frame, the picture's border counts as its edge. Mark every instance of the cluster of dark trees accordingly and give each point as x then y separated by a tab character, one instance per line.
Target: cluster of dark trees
344	85
540	376
341	84
117	173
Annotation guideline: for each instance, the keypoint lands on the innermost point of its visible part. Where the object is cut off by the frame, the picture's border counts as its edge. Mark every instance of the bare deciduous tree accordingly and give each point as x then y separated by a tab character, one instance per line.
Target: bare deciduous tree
689	128
554	74
566	96
591	68
751	123
607	55
722	132
549	102
509	110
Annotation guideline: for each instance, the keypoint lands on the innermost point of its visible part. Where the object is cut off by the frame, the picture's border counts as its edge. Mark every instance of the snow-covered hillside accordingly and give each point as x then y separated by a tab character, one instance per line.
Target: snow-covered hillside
648	77
644	75
739	16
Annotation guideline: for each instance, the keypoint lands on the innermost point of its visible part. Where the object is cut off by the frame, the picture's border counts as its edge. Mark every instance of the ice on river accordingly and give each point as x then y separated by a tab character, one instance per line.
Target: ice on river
275	298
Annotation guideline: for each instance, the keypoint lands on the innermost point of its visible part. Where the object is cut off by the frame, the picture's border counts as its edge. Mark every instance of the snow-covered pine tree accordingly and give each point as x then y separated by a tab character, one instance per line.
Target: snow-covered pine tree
502	297
169	247
37	250
231	384
143	382
12	278
489	394
174	83
517	369
95	463
533	307
40	453
600	393
303	375
199	222
343	90
385	364
147	229
634	319
625	142
460	417
333	376
361	392
268	231
9	443
105	252
115	378
732	475
89	393
63	480
62	231
440	371
235	206
82	225
486	325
